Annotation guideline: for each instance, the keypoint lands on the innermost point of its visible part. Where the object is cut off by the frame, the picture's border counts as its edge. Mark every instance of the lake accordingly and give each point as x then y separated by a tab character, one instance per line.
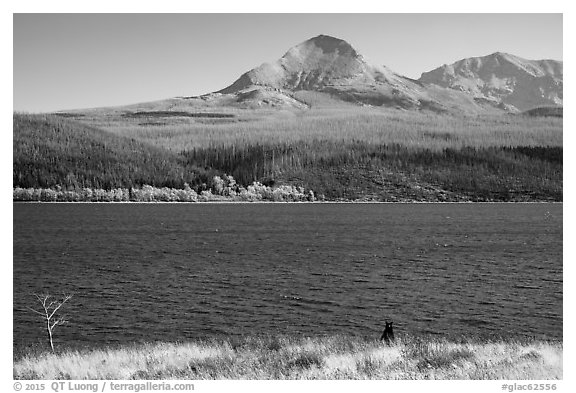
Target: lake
173	272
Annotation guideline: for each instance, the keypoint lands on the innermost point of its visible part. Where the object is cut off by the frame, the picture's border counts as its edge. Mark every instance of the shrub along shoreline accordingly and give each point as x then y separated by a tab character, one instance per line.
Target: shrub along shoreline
224	189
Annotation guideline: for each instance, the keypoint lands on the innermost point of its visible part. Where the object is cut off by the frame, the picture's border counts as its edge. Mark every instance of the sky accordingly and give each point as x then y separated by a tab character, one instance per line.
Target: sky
73	61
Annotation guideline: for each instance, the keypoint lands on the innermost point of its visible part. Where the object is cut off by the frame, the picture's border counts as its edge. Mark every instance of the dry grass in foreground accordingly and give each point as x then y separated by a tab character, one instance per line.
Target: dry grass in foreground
334	357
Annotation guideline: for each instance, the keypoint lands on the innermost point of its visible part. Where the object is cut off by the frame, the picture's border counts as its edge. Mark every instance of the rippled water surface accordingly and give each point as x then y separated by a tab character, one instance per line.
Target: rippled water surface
147	272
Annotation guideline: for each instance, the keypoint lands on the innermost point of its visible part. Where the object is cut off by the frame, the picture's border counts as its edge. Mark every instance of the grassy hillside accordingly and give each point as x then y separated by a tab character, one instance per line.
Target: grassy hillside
346	153
370	125
51	151
334	357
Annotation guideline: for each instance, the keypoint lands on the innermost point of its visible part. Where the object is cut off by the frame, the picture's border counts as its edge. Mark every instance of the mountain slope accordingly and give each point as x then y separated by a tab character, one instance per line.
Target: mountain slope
315	64
510	81
330	65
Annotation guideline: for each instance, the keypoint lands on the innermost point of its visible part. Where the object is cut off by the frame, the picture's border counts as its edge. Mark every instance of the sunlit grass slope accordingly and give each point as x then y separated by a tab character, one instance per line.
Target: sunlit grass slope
358	124
334	357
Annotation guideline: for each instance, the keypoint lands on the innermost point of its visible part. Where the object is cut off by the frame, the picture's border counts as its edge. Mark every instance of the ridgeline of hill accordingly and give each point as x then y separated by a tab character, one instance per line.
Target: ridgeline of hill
365	156
546	112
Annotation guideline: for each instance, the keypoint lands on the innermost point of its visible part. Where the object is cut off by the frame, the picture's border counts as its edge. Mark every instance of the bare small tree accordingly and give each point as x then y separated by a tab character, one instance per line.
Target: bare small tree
50	306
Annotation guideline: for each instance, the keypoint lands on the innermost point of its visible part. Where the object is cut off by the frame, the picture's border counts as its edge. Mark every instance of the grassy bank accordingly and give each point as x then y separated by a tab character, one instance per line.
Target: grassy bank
335	357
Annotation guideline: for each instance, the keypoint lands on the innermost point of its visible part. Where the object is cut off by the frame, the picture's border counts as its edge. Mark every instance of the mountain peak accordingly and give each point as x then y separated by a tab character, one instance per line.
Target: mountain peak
330	44
325	38
500	54
311	65
503	56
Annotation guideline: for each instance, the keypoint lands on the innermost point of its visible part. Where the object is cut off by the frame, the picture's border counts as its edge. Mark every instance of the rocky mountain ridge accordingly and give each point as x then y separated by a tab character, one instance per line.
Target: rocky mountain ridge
510	81
498	82
332	66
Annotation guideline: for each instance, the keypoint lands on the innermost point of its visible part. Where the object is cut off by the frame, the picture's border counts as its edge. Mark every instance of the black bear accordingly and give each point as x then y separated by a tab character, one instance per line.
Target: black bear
388	334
